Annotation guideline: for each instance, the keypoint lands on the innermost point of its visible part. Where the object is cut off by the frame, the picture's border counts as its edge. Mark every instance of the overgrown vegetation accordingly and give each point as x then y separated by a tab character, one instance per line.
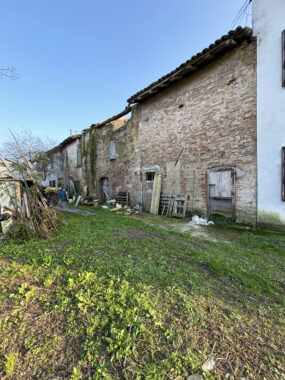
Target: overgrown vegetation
112	297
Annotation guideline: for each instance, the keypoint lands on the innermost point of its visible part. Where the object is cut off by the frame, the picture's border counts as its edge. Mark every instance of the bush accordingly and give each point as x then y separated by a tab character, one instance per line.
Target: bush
19	232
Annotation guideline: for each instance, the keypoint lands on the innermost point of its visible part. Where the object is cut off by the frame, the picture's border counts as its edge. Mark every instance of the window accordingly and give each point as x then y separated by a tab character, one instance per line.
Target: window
61	164
112	150
149	176
283	58
79	157
52	183
283	173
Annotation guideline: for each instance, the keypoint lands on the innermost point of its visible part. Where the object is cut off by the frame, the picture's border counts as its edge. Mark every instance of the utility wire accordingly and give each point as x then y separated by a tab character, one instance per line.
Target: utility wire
243	13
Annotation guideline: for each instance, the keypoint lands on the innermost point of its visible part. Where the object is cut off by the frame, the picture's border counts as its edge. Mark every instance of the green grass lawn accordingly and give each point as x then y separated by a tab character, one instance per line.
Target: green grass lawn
111	297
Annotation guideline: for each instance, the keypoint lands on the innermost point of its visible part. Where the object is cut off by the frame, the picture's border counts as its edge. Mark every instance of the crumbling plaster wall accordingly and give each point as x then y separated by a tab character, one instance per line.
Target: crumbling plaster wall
63	166
212	115
54	169
122	171
268	24
72	172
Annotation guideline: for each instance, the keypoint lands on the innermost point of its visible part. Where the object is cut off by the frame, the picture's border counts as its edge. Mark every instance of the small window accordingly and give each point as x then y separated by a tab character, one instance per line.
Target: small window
112	150
149	176
79	157
283	173
52	183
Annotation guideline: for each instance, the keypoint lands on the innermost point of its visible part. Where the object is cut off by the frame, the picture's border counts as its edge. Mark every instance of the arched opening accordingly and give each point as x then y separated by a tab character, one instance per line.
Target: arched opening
104	189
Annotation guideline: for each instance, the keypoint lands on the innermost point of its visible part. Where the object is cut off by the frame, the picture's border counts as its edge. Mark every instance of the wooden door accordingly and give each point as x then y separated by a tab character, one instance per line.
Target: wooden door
221	192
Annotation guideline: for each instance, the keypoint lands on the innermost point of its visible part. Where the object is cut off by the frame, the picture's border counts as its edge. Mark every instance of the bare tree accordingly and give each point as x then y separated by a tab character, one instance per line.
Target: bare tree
8	72
31	145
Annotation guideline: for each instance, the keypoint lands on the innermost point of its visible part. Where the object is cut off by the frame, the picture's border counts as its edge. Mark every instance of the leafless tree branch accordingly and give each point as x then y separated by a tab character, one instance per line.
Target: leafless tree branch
9	72
30	144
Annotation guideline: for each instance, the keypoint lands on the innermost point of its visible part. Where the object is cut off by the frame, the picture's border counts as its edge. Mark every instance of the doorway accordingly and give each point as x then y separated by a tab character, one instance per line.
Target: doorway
221	191
105	189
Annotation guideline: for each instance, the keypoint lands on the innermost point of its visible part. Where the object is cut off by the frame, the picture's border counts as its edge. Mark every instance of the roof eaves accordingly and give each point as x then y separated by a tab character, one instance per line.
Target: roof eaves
65	142
225	43
113	118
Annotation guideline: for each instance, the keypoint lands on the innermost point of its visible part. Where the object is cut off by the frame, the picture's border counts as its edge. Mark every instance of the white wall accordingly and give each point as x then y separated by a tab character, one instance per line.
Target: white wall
268	23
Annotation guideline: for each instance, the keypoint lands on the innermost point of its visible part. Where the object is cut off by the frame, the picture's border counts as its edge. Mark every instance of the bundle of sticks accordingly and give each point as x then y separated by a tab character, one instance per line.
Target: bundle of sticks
34	209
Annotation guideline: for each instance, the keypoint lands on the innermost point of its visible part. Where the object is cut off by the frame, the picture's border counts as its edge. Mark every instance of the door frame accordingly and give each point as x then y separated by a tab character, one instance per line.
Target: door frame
233	192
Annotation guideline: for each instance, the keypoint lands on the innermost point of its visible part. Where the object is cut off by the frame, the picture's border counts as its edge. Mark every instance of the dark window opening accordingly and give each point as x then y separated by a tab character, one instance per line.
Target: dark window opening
283	173
52	183
149	176
76	186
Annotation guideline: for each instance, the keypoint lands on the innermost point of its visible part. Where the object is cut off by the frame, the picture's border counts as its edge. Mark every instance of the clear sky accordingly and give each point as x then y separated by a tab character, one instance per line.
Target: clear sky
79	61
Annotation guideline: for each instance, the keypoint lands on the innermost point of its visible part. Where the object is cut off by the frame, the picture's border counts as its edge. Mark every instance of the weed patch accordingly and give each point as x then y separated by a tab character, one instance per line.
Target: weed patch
111	297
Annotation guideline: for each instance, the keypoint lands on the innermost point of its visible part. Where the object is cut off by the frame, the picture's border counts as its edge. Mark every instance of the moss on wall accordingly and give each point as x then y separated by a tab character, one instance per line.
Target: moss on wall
92	155
267	217
84	147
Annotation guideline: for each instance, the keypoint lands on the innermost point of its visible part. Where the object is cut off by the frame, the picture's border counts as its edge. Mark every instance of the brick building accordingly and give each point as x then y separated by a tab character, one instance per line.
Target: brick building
109	155
197	126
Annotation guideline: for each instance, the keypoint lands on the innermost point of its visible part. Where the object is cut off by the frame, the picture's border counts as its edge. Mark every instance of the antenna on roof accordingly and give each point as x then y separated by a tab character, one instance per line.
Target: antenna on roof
243	14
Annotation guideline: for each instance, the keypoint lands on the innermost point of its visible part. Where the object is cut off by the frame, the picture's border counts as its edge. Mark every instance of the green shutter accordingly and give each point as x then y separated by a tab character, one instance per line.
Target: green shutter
79	158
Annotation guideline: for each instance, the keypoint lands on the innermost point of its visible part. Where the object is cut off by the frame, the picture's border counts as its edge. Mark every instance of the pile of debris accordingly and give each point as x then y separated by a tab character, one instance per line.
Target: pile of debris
127	210
200	221
28	203
120	209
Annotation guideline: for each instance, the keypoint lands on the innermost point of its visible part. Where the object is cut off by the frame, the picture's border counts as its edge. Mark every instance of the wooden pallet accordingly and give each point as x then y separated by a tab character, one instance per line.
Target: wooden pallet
165	204
122	197
179	207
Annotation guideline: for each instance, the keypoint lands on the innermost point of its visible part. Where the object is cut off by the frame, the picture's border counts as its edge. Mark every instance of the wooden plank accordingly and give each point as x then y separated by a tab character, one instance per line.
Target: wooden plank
156	193
283	173
78	200
179	207
179	155
169	201
8	167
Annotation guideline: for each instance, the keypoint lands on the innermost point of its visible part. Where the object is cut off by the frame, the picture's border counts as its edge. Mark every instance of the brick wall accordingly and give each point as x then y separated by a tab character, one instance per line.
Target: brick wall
121	169
212	115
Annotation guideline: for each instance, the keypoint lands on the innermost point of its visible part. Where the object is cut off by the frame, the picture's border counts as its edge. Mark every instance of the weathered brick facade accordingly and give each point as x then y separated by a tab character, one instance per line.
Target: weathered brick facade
212	115
111	154
195	131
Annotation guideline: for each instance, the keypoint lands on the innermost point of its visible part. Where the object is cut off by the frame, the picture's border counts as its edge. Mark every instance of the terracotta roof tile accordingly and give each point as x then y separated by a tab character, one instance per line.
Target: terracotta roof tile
220	46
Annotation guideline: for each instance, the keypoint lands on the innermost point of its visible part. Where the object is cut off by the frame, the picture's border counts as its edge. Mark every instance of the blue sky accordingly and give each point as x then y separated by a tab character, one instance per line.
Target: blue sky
79	61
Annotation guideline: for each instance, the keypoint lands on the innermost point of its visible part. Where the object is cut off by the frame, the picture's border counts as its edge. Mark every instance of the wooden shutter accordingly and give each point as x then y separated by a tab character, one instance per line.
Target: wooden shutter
283	173
283	58
79	158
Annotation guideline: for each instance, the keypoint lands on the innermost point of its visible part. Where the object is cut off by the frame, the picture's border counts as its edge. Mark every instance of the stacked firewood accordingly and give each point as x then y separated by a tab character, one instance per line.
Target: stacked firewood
34	210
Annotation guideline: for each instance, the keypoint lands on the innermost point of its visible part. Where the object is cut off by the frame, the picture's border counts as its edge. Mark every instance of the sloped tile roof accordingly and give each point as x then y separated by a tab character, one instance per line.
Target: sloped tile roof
219	47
